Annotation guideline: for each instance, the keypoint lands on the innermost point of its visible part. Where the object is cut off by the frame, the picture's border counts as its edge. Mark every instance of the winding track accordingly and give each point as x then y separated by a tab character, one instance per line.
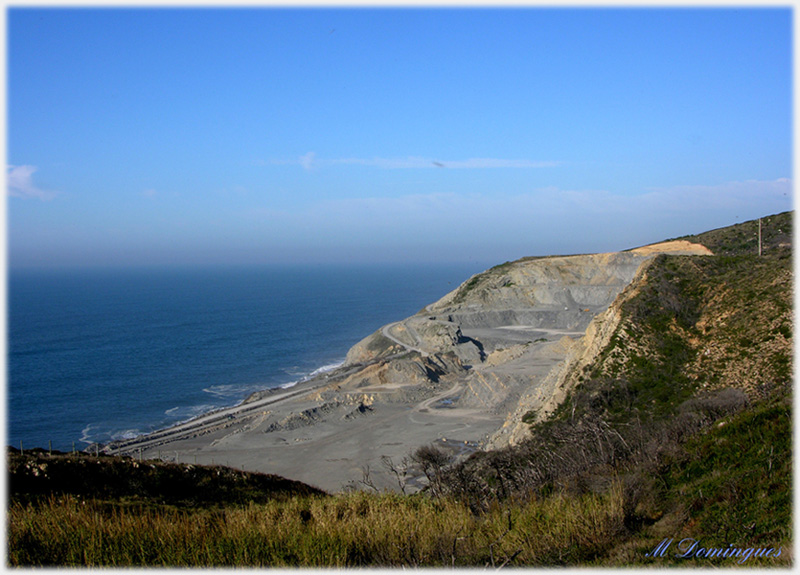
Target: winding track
386	332
220	417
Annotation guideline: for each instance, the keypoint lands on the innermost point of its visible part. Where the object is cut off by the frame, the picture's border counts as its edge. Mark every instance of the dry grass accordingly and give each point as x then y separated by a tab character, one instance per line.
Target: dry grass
349	530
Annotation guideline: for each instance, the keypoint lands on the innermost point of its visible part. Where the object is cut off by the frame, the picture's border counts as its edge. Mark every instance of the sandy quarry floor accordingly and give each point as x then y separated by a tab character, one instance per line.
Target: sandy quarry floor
344	441
338	449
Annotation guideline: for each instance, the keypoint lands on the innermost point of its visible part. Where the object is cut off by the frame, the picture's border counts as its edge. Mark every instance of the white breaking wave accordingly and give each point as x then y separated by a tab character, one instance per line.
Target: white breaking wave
313	374
229	391
85	434
126	434
232	391
325	369
88	437
191	411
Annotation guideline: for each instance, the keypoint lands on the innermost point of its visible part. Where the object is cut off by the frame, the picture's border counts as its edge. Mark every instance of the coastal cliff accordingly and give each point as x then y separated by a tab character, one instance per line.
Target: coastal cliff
591	407
461	374
469	372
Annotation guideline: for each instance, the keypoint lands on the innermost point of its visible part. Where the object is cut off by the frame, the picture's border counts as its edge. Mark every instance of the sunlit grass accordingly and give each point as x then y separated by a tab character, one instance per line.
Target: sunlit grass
348	530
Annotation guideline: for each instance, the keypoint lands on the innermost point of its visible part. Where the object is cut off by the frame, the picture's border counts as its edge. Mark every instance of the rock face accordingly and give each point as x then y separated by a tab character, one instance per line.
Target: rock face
519	332
563	377
555	293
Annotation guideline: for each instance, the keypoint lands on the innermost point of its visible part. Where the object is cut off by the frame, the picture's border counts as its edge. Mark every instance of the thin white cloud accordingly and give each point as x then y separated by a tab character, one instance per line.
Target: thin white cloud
729	195
724	198
149	193
19	182
386	163
310	160
539	221
307	161
480	163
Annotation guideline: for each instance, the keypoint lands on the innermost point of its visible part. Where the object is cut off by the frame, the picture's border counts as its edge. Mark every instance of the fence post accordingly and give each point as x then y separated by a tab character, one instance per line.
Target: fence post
759	237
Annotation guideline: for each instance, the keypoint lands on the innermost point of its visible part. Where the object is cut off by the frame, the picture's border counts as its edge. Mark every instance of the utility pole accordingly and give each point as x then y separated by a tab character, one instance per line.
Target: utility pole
759	237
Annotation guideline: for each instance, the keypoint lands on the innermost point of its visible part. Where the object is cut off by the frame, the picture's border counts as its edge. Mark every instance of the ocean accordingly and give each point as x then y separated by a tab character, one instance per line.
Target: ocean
98	355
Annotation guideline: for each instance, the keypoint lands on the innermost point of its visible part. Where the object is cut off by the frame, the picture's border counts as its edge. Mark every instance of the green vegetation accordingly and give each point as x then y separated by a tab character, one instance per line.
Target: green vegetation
742	239
37	476
679	430
737	478
729	485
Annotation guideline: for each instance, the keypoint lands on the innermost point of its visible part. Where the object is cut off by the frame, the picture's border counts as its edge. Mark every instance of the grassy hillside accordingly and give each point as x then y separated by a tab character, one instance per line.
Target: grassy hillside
742	239
680	432
38	475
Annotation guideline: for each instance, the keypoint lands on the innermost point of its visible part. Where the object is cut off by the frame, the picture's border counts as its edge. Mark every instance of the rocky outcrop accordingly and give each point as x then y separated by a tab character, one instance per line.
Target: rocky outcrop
371	348
419	334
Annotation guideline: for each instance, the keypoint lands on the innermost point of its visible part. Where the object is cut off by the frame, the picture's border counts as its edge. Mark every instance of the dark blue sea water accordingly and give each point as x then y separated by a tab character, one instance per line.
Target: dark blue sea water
106	354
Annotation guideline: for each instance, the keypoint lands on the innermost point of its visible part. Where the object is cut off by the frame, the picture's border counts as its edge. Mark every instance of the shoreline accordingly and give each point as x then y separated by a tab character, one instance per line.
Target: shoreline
181	338
224	416
341	427
316	373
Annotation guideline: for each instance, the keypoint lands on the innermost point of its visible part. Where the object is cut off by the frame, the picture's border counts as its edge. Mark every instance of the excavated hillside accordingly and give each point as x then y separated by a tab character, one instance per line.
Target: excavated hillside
512	333
680	395
506	349
727	319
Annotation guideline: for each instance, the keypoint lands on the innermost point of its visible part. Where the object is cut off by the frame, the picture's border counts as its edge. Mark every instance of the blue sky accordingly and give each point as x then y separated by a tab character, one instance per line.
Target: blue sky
207	136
